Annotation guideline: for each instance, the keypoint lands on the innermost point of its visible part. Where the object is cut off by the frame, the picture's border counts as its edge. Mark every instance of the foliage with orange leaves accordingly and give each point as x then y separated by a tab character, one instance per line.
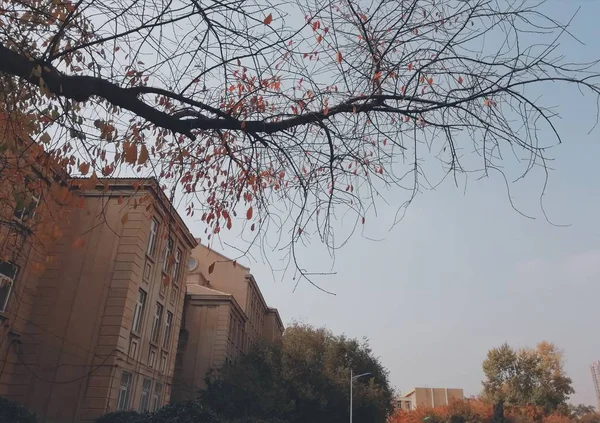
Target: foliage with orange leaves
479	411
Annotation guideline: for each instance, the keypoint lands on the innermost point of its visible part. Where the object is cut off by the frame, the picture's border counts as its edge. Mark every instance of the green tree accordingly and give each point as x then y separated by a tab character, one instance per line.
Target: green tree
527	376
305	379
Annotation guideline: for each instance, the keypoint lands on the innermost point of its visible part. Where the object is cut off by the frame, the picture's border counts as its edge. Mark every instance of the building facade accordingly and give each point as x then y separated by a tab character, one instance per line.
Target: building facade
427	397
224	314
595	367
96	329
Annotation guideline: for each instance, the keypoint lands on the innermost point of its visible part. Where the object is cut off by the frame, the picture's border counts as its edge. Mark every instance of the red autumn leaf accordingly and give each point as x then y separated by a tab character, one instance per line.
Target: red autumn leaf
339	57
84	168
125	218
410	66
268	19
430	80
249	213
363	220
319	38
252	227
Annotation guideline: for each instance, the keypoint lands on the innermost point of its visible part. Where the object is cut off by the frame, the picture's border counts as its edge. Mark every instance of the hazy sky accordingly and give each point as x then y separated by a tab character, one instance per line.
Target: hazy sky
464	272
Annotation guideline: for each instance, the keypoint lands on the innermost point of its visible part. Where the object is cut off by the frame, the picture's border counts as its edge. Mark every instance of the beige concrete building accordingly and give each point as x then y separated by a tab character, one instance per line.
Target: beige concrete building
428	397
96	329
225	313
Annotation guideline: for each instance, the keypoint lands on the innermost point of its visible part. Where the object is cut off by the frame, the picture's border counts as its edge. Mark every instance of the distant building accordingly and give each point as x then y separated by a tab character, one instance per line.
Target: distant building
596	377
427	397
224	315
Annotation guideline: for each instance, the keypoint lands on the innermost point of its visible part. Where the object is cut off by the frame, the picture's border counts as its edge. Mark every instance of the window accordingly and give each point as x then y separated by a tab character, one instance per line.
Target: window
133	348
408	405
123	399
174	294
8	272
156	396
156	323
138	314
163	363
27	203
145	395
168	324
177	266
166	266
147	270
152	238
151	358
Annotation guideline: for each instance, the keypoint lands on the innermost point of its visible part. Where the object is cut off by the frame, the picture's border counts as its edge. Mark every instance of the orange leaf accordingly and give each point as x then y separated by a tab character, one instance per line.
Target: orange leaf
430	80
78	243
319	38
129	152
268	19
339	57
143	155
377	76
211	268
84	168
410	66
249	213
125	218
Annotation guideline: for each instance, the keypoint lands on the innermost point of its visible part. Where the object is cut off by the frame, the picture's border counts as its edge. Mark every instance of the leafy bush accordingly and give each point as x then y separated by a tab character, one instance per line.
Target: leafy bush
11	412
183	412
123	417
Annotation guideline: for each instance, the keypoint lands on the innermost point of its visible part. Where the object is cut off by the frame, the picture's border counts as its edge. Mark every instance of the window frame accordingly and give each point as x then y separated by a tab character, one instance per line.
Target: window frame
138	317
147	390
176	271
5	277
156	396
166	253
156	323
168	328
124	391
154	229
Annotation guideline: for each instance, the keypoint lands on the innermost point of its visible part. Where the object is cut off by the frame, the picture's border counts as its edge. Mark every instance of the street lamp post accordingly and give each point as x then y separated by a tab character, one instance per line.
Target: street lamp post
352	379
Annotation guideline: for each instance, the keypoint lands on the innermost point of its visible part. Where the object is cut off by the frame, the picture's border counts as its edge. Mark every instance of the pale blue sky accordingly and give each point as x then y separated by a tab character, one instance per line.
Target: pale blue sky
463	272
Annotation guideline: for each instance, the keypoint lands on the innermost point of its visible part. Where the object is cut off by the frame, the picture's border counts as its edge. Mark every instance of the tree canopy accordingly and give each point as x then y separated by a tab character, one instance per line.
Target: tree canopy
283	117
527	377
305	379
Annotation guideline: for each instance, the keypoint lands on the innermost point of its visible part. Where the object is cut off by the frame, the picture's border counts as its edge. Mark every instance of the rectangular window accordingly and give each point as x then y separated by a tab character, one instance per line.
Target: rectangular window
177	266
157	396
174	294
168	324
138	313
26	205
147	270
133	348
124	390
166	266
8	272
156	323
163	363
145	396
152	238
151	358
